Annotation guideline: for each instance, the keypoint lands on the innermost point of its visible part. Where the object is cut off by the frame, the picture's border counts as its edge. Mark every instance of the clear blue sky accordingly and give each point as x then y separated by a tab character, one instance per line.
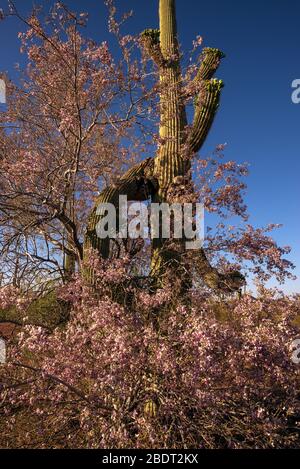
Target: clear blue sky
257	118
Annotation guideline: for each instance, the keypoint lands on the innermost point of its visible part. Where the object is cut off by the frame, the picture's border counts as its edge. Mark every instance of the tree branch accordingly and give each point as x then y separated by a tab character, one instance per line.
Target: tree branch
58	380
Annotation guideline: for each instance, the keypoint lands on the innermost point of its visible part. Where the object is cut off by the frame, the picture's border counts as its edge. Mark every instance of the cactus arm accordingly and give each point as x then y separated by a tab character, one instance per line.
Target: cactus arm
212	278
9	317
151	41
136	184
206	107
210	61
47	312
207	101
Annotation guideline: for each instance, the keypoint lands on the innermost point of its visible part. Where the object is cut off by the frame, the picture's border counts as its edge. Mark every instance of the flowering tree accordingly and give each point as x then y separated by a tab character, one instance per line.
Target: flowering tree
190	377
65	122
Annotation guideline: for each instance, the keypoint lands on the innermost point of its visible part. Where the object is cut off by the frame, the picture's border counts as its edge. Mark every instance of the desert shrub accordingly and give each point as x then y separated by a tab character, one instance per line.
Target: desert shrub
158	374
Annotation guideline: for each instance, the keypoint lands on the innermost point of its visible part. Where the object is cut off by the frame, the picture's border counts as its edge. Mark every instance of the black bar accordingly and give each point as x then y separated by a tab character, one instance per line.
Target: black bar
148	458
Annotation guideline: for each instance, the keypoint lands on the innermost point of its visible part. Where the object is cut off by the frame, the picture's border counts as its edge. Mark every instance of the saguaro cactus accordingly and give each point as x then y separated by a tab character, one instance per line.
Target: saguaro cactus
173	158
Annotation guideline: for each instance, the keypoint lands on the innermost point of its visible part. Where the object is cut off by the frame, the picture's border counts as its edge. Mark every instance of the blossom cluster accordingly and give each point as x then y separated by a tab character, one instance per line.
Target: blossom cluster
218	374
